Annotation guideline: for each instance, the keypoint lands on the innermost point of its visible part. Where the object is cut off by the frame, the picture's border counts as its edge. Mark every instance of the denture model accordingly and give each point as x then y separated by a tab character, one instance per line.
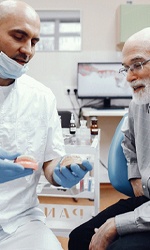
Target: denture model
27	161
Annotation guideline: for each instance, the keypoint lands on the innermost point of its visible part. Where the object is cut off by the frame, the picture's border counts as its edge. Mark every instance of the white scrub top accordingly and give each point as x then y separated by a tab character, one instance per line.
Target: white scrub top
29	124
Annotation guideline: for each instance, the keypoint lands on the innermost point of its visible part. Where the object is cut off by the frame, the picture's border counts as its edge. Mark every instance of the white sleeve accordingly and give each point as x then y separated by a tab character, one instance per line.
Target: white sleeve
135	221
55	142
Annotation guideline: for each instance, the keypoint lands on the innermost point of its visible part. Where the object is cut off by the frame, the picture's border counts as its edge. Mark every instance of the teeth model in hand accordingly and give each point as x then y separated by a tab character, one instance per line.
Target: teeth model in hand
73	159
27	161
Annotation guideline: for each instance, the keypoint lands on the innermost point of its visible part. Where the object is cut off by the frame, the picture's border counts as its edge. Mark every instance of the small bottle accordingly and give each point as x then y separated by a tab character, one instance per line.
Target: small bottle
83	131
94	126
72	128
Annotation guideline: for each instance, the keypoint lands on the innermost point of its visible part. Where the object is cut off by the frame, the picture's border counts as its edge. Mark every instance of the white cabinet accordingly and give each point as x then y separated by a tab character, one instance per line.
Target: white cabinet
63	218
107	122
130	19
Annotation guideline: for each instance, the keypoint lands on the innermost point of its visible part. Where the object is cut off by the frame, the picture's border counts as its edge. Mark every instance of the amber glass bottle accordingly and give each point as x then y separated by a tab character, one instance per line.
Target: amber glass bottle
94	126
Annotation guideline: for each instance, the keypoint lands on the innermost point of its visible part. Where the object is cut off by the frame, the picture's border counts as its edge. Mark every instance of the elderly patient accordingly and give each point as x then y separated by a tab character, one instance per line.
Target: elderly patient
29	125
126	224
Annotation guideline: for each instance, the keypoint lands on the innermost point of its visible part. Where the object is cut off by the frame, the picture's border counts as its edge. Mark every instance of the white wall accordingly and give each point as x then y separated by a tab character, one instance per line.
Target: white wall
58	69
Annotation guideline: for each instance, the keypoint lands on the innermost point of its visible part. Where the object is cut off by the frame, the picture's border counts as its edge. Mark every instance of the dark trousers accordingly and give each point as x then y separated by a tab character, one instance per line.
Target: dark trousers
81	236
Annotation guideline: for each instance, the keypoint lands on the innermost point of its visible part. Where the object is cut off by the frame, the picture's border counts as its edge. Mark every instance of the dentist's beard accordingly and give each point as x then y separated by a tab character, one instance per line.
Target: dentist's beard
142	96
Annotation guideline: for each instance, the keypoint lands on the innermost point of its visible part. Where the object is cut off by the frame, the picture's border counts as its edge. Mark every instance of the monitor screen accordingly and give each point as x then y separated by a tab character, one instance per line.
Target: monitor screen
102	80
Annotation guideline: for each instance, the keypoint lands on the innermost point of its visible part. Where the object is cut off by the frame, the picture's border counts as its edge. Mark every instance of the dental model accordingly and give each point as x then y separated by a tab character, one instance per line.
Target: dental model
68	160
27	161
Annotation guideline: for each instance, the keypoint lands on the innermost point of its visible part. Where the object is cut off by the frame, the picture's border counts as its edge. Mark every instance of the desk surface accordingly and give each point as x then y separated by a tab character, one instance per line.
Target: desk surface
103	112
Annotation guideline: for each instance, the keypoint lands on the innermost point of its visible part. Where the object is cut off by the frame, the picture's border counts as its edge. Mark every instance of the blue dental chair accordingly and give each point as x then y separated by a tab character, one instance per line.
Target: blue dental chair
117	164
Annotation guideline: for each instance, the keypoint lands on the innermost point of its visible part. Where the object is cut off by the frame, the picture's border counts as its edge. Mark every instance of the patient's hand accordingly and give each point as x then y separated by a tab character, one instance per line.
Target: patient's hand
104	235
137	187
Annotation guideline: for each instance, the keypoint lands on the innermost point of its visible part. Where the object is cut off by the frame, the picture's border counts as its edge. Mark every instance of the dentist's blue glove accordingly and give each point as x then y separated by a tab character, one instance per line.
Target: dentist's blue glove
66	177
9	170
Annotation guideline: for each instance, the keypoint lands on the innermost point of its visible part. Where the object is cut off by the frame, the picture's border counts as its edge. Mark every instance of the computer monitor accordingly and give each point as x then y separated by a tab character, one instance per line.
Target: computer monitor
102	81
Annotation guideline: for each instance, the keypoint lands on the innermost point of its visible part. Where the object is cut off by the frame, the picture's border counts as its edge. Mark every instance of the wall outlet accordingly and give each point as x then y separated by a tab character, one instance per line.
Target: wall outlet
69	90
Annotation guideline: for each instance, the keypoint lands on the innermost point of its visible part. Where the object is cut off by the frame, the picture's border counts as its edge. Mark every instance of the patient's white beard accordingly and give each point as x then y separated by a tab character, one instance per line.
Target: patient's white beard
143	96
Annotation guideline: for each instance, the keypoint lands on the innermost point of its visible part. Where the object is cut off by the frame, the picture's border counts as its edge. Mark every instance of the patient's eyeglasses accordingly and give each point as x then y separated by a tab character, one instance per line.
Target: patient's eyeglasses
133	67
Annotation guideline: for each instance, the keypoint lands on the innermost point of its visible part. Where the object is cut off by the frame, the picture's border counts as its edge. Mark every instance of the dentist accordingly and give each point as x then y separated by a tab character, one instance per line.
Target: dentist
29	125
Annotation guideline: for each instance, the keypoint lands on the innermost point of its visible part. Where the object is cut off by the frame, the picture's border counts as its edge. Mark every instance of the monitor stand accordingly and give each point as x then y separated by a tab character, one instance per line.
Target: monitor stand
106	105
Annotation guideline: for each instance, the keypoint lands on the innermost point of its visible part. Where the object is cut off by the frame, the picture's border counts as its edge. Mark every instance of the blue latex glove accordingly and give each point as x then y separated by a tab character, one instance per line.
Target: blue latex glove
69	177
9	170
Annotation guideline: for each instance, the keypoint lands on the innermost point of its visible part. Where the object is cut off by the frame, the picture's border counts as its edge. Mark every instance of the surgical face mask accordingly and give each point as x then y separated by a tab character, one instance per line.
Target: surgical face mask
10	69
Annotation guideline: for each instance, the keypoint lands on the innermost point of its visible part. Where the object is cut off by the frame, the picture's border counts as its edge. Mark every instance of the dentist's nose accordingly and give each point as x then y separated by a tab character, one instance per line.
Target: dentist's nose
26	49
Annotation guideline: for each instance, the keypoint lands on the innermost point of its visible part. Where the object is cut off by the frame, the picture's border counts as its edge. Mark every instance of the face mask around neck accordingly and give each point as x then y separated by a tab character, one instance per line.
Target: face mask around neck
10	69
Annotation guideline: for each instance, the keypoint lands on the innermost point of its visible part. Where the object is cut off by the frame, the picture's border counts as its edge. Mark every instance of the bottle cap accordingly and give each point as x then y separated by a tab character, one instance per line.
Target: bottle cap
94	118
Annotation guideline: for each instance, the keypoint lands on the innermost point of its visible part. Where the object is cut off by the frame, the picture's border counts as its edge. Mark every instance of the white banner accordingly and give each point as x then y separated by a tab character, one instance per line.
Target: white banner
66	216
